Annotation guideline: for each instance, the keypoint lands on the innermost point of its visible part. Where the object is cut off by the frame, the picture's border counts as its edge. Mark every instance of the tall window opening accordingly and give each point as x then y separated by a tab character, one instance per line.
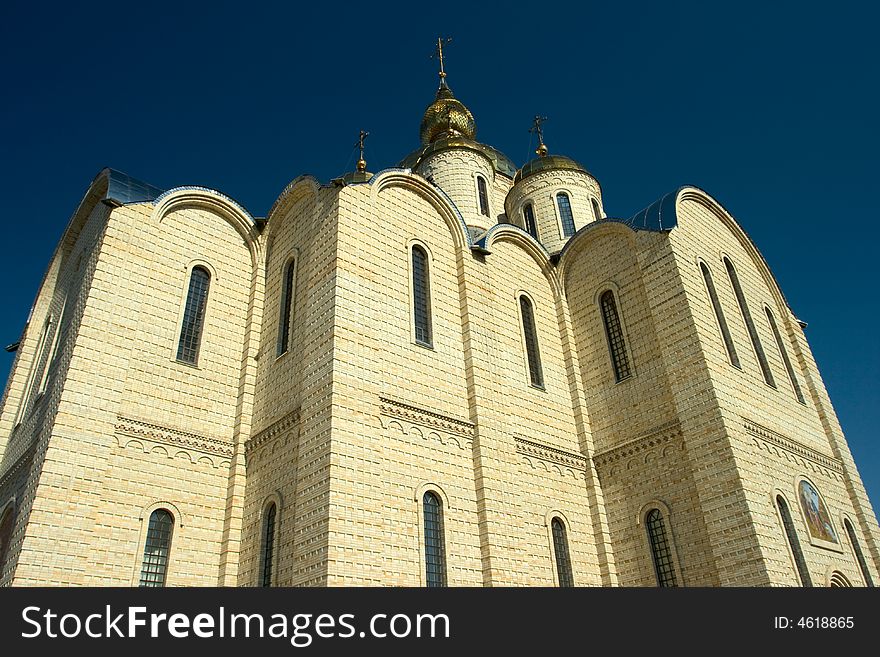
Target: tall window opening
661	551
284	321
193	316
857	550
529	216
614	333
30	384
750	325
154	567
421	296
533	355
7	523
565	215
560	549
483	195
784	353
719	315
435	553
596	211
268	545
790	533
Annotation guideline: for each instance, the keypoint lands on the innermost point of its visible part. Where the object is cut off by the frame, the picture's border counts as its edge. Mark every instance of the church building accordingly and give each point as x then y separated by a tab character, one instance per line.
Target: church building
451	372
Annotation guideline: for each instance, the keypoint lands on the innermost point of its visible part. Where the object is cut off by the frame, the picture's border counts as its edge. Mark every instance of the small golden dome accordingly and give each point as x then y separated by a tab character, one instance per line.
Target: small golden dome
446	117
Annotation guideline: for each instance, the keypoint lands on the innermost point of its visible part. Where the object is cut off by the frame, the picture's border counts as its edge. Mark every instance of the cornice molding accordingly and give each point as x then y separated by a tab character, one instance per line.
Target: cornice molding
769	437
426	418
531	449
272	431
132	428
656	437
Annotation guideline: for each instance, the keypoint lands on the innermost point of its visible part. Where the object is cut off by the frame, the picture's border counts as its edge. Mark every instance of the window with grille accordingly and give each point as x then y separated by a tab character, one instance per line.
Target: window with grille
565	215
614	333
560	548
284	321
193	316
435	553
784	353
154	567
421	296
719	315
661	551
857	550
533	355
529	217
750	325
790	533
596	211
483	194
268	545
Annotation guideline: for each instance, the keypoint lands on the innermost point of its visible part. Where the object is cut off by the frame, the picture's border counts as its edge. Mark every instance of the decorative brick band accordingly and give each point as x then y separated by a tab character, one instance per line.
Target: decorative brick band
770	437
273	430
24	459
654	438
550	454
425	418
132	428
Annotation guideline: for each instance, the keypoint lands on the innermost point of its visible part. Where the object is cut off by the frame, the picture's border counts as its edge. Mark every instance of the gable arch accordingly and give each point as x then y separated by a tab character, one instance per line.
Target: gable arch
578	242
297	190
517	236
212	201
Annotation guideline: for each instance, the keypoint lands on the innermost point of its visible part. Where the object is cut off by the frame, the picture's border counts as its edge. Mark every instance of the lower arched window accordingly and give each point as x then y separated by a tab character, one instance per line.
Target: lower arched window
193	316
565	214
661	549
857	550
529	217
530	334
614	333
435	553
7	523
154	567
560	549
268	545
791	534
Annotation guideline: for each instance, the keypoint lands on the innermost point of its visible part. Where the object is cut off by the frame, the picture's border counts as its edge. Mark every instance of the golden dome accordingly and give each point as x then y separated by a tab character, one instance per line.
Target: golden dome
446	117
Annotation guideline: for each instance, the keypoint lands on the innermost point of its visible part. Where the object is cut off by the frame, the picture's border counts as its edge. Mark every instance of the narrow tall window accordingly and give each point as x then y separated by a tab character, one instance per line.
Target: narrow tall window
268	545
193	316
483	194
565	215
614	333
435	554
156	547
560	548
284	321
53	355
660	548
750	325
533	355
596	211
7	523
857	550
421	296
719	315
782	352
790	532
529	216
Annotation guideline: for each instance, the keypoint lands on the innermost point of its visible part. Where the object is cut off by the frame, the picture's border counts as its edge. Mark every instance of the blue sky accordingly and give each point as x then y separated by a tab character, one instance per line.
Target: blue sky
770	107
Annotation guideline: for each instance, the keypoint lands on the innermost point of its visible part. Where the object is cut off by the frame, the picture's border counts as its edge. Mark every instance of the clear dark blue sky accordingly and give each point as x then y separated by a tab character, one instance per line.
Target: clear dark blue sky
770	107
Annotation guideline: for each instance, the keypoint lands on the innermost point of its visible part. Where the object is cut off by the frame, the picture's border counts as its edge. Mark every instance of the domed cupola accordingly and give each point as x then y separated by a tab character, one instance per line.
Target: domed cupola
474	176
553	196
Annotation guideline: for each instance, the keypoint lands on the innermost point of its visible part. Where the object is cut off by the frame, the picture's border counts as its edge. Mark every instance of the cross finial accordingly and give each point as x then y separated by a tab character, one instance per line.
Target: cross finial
538	127
439	54
362	163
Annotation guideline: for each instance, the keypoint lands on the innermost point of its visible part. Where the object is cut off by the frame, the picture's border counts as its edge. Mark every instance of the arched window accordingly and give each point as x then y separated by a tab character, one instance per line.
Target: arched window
268	545
614	333
596	211
529	217
30	385
839	580
533	355
421	296
284	320
719	315
483	195
790	532
782	352
193	316
857	550
661	552
156	548
435	553
565	215
750	325
560	548
7	523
